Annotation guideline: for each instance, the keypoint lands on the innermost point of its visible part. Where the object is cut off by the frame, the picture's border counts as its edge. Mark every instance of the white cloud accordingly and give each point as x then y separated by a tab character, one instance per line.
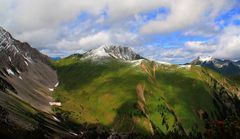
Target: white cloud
54	26
99	38
186	13
38	36
198	46
225	45
94	40
204	30
228	43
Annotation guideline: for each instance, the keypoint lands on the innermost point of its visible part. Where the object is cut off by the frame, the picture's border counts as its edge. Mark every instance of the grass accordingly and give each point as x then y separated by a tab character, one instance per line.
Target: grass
106	94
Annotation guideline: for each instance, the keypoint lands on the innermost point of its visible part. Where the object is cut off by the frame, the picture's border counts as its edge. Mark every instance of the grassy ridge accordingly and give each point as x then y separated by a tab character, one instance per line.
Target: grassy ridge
171	99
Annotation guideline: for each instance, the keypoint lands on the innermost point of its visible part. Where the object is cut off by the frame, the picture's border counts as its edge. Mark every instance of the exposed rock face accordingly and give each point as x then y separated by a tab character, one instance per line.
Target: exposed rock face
25	72
225	67
116	52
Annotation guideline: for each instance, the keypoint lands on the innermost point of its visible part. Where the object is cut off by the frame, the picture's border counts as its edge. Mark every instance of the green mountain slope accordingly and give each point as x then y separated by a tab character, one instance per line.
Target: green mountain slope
146	98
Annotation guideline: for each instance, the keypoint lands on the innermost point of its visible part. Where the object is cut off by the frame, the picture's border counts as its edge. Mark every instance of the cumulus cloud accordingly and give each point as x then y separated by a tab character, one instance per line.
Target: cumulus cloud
185	13
88	42
228	43
99	38
225	46
61	27
198	46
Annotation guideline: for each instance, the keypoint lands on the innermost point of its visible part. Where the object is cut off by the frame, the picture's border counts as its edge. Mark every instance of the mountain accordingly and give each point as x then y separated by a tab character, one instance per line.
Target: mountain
225	67
27	71
107	51
26	84
129	94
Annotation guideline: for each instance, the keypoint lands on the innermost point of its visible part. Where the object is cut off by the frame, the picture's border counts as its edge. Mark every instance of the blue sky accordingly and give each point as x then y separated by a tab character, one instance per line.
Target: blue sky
175	31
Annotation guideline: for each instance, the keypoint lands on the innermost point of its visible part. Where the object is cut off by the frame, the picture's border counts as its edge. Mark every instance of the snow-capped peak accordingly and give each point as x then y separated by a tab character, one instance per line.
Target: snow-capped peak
205	58
113	51
98	52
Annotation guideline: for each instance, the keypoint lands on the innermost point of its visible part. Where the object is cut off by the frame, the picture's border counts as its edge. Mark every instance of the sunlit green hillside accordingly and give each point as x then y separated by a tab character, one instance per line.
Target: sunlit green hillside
147	98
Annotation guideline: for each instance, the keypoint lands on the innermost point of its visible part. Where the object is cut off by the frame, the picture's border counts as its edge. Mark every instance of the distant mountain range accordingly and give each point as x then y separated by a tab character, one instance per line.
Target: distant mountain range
225	67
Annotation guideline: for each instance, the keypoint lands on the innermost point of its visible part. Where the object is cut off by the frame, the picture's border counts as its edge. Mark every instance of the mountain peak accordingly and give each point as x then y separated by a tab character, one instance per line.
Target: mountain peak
113	51
4	33
2	30
7	41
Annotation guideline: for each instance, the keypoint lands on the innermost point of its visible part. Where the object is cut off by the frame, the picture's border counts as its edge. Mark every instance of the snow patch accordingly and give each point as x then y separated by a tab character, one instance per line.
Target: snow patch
75	134
20	77
9	71
18	71
56	119
26	63
29	59
10	59
51	89
56	85
55	103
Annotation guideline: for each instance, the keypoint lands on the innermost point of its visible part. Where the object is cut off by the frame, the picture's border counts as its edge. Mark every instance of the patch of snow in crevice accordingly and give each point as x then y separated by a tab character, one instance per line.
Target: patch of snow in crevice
10	59
56	119
9	71
51	89
55	103
20	77
18	71
75	134
29	59
26	63
56	85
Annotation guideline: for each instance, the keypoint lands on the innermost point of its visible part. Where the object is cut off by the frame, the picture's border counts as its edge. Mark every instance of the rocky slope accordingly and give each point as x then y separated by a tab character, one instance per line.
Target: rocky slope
26	84
25	72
